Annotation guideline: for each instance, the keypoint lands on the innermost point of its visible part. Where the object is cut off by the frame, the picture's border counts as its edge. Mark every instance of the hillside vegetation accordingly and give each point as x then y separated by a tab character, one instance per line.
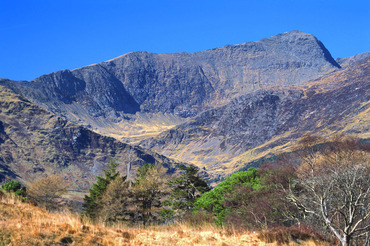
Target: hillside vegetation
260	143
25	224
324	199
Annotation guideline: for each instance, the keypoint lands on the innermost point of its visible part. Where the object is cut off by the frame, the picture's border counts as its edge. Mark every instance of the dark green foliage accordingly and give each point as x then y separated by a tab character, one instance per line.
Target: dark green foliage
186	189
166	214
113	199
91	202
143	171
264	206
14	186
212	201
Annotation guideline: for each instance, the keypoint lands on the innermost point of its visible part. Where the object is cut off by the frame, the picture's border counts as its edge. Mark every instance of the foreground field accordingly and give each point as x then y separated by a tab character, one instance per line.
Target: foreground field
24	224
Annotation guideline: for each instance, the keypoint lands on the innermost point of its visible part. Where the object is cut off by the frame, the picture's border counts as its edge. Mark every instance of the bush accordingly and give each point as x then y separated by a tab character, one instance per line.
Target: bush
212	201
265	206
47	191
14	186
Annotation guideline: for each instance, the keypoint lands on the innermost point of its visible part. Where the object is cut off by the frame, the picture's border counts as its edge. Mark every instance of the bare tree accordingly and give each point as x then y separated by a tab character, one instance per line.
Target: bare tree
334	188
47	191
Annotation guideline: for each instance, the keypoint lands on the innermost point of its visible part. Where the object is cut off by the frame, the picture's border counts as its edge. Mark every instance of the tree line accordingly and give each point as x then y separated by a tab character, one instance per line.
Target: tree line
151	197
322	185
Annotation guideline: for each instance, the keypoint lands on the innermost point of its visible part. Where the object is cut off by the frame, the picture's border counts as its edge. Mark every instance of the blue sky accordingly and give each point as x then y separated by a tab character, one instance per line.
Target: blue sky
39	36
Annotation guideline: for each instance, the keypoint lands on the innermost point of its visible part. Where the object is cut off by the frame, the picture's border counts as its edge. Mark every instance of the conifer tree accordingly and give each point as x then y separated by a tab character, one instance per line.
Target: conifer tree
115	202
91	202
186	189
148	192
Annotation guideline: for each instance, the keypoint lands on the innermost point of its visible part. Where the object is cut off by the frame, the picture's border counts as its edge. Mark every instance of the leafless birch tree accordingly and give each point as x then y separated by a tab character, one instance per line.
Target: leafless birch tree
335	189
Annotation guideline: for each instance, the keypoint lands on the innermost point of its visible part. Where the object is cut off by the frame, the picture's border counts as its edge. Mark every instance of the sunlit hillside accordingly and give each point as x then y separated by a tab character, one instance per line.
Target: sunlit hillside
25	224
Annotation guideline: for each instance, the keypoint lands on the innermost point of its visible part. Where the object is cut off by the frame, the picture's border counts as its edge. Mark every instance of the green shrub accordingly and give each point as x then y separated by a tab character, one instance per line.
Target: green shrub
14	186
212	201
265	207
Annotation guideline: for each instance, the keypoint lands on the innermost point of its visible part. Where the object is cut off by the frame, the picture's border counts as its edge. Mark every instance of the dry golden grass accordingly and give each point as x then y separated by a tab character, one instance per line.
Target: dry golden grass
25	224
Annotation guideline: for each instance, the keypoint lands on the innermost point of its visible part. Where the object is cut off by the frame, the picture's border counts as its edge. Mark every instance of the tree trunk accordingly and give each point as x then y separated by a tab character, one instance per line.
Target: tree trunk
345	240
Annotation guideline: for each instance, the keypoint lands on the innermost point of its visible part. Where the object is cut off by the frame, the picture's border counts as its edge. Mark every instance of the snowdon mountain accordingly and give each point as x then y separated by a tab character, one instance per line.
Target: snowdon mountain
219	109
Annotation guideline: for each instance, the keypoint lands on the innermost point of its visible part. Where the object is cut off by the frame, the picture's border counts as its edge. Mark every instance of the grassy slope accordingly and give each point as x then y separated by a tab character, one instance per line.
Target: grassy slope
24	224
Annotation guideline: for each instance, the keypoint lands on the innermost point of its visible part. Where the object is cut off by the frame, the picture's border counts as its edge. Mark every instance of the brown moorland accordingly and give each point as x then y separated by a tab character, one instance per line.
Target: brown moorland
24	224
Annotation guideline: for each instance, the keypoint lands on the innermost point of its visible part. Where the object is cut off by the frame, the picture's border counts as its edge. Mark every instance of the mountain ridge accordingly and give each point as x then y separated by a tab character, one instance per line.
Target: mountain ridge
108	95
219	109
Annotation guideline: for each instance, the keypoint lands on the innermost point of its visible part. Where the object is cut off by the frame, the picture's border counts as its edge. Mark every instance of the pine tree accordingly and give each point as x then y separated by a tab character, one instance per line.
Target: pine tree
91	202
148	192
116	201
186	189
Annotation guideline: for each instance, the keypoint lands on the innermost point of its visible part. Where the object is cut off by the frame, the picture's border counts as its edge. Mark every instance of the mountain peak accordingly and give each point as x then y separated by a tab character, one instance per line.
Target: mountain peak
298	32
301	44
292	34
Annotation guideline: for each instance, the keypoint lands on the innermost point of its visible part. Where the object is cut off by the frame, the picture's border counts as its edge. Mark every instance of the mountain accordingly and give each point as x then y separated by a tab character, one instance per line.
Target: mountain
114	97
266	122
347	61
35	142
219	109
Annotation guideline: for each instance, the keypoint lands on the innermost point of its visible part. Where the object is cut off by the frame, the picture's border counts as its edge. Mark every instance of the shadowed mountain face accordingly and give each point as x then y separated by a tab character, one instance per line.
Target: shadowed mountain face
180	84
270	121
35	142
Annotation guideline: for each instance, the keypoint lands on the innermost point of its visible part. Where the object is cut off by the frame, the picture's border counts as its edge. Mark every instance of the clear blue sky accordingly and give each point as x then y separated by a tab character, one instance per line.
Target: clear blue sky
42	36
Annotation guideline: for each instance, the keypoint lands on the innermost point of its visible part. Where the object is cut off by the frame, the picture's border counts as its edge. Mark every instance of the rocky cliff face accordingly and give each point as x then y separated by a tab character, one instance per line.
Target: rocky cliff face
35	142
180	84
269	121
